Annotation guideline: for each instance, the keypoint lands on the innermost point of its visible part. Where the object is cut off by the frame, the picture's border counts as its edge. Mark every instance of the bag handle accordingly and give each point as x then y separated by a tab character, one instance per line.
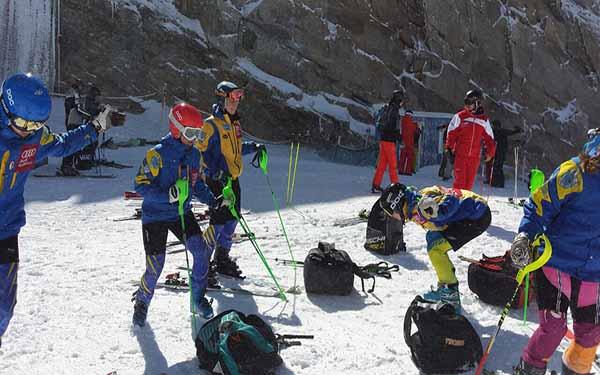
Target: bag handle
408	319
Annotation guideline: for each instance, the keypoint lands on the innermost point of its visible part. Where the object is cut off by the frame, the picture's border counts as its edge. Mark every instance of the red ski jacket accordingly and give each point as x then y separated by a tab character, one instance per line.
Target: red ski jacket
465	133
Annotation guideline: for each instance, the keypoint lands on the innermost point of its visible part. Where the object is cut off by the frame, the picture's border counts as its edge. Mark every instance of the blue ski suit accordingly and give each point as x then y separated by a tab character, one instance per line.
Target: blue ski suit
18	156
162	166
222	150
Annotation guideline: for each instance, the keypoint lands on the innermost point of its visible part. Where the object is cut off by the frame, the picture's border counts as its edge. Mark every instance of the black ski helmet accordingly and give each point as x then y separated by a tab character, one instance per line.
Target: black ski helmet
397	96
472	96
223	90
393	199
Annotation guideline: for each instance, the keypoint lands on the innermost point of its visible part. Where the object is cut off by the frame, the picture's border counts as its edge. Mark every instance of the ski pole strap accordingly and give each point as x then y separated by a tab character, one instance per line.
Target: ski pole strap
260	160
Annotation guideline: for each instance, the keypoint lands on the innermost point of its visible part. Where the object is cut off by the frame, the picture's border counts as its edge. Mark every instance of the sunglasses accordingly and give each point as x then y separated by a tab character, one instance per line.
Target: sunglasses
27	125
236	95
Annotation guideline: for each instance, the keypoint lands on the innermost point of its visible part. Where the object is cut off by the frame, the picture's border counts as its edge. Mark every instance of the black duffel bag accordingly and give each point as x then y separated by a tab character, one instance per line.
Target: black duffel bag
331	271
493	280
445	343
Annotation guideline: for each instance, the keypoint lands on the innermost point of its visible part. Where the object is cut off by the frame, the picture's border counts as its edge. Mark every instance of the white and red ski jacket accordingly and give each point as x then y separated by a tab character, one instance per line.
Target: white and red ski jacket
465	133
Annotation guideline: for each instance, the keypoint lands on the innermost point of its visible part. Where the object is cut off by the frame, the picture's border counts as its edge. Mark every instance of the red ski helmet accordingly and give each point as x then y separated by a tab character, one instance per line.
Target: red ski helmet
186	120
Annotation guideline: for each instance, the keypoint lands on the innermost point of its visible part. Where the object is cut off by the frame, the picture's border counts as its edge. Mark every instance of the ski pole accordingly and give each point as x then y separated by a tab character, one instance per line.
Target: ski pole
261	160
184	191
294	173
229	195
287	192
520	276
525	302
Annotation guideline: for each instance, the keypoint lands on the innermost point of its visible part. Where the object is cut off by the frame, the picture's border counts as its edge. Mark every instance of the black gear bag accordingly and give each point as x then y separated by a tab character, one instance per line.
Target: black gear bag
493	280
331	271
385	235
445	343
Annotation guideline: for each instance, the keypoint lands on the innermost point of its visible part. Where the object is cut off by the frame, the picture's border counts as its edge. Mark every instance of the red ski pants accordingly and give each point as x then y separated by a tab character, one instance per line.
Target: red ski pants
465	170
407	160
387	158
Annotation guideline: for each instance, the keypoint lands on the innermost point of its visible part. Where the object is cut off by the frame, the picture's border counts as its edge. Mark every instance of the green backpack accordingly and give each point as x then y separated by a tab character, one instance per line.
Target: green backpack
237	344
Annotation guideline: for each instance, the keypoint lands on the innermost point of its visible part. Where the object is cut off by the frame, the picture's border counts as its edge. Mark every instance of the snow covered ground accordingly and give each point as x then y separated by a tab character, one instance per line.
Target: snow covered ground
77	265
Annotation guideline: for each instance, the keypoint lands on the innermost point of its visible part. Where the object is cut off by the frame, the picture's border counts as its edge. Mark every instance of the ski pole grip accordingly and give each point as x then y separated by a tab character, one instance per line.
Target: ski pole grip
539	262
184	191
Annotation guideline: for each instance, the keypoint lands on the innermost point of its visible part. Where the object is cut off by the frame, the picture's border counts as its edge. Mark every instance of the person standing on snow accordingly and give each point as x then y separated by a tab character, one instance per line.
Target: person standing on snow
222	149
410	136
494	172
467	129
25	139
565	208
452	218
387	123
174	158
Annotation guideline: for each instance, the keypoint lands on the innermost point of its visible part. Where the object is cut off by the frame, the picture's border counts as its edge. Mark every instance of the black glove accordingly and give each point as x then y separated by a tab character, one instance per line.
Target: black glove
521	253
221	176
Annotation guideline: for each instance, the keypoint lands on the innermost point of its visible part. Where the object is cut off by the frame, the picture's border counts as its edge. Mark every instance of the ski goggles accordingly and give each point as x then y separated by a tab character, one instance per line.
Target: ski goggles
236	95
473	101
189	133
27	125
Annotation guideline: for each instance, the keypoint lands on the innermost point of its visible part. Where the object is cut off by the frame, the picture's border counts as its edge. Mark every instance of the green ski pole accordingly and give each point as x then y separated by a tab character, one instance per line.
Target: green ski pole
184	192
287	192
262	163
229	195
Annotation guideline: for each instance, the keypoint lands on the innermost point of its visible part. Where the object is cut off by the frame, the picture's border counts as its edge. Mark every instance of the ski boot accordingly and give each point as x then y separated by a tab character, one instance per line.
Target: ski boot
226	265
204	308
567	371
211	278
140	311
445	294
67	170
376	189
524	368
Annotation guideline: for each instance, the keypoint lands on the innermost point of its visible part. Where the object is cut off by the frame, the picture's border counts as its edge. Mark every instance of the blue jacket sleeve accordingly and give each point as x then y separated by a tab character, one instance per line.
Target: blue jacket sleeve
545	203
65	144
448	206
147	181
248	147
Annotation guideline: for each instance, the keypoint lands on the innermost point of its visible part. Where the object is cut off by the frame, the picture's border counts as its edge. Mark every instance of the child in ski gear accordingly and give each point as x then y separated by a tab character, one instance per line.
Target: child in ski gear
452	218
25	139
222	149
494	171
565	208
467	129
174	158
388	119
410	137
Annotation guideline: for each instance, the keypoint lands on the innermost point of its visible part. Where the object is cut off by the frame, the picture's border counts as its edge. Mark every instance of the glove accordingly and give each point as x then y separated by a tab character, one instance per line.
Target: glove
220	202
173	194
521	253
428	208
488	158
103	121
450	155
221	176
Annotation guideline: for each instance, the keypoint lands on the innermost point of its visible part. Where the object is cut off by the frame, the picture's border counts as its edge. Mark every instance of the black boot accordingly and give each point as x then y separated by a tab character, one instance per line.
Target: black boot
140	311
212	280
225	265
524	368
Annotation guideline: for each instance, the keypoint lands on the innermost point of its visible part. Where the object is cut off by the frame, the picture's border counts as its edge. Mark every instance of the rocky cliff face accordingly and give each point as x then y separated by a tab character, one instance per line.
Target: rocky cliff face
319	66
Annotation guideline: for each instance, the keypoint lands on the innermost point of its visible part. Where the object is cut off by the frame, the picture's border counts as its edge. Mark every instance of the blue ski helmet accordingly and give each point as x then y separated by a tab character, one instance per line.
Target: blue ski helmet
26	97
